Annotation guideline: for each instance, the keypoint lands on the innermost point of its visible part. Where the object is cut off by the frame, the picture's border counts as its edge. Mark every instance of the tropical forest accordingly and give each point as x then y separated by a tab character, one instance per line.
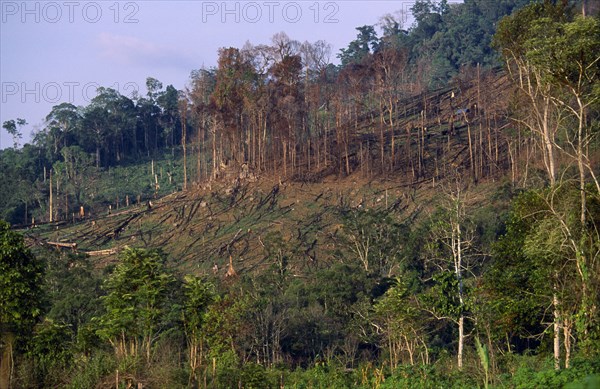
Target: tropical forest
420	209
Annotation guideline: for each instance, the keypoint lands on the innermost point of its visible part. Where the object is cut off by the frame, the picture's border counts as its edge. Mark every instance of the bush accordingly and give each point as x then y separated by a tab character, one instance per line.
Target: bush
426	376
89	372
580	373
320	376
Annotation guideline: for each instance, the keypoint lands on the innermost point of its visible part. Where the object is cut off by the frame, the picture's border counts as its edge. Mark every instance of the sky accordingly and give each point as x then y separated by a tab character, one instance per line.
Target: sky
61	51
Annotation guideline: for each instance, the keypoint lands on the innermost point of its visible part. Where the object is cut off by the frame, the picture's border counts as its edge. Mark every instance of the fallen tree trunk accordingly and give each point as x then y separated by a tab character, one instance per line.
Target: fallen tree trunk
101	252
63	245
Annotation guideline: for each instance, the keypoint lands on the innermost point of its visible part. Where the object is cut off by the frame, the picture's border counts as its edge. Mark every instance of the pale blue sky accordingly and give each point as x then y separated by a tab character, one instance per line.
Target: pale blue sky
52	52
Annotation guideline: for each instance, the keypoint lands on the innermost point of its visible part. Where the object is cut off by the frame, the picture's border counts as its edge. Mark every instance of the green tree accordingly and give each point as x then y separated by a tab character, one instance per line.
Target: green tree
80	174
169	118
50	351
451	257
61	125
11	127
536	281
566	54
401	323
541	116
21	276
108	126
136	303
359	49
553	57
198	295
73	290
515	288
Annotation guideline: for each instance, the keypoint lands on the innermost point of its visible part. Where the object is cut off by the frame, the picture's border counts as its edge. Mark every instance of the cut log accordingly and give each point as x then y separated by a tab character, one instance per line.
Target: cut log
101	252
63	245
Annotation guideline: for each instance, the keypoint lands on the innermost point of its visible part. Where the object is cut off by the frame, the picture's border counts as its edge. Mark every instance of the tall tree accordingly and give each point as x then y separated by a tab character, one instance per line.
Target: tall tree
234	80
558	56
21	276
541	117
198	295
13	128
202	86
452	257
359	49
62	124
136	303
183	104
169	119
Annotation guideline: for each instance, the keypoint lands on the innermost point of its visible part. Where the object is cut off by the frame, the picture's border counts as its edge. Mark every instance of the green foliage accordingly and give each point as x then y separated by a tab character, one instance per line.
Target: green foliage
401	318
50	351
443	298
137	302
340	286
589	382
255	376
374	240
227	369
484	358
88	372
513	284
425	376
198	295
343	319
227	327
396	302
566	51
21	277
322	375
359	49
51	344
449	38
514	30
580	374
11	127
73	289
20	184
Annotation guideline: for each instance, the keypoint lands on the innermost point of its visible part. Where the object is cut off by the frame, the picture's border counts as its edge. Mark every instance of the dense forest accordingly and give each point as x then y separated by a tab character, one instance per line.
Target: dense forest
469	258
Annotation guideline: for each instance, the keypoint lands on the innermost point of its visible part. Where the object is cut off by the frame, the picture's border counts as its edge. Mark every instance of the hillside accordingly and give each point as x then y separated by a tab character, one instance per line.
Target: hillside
233	215
414	217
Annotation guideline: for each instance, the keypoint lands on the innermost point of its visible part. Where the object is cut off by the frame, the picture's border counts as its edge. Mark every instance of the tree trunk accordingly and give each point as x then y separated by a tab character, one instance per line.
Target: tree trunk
214	150
183	145
567	342
382	137
548	141
50	200
556	330
461	340
6	359
471	158
457	253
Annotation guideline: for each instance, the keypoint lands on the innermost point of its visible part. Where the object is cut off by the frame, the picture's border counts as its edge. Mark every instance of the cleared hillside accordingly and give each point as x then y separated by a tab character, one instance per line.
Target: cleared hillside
255	218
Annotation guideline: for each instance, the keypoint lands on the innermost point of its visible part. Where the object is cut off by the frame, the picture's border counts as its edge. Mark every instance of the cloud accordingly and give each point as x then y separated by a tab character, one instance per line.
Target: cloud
132	51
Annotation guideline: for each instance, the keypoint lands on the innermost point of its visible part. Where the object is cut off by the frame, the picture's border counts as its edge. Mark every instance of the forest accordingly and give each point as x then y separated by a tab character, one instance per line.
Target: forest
425	213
